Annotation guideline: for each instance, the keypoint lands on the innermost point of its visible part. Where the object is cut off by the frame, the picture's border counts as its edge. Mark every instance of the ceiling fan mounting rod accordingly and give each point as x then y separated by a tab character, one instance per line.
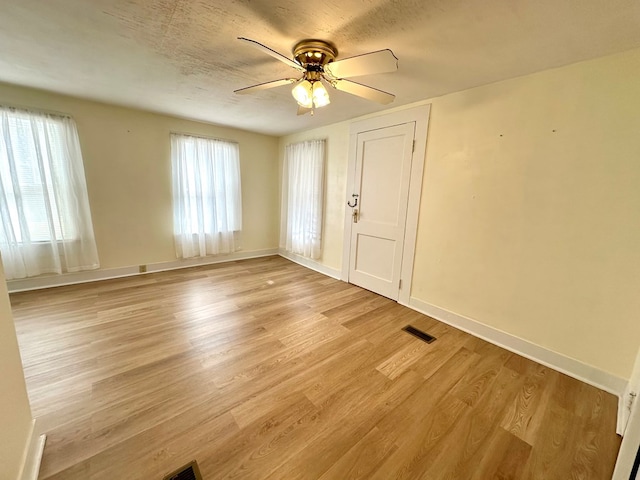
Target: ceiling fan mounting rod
313	75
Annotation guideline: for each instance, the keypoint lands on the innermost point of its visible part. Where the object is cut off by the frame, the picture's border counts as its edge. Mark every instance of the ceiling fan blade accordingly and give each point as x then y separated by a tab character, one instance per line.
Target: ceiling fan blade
264	86
304	111
381	61
363	91
273	53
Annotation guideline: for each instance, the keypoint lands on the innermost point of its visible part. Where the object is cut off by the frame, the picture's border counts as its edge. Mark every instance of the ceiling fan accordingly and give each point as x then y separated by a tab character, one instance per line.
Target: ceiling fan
315	59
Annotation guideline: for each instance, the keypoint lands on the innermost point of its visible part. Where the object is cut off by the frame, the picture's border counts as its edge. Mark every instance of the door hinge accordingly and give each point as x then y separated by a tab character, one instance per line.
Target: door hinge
413	148
400	285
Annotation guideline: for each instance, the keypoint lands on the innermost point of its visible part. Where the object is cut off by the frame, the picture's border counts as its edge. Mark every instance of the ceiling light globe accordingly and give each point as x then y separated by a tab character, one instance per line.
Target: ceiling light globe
320	95
303	93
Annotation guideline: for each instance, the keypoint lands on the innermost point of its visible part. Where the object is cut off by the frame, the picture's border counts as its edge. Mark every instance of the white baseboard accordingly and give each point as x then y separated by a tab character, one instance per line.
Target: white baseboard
33	455
312	264
48	281
567	365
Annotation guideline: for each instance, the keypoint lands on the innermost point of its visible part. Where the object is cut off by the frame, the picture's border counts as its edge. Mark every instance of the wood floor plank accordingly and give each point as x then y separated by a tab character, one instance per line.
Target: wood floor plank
469	442
525	415
256	452
478	378
363	458
553	452
354	308
417	450
505	458
405	419
402	359
263	369
595	452
359	405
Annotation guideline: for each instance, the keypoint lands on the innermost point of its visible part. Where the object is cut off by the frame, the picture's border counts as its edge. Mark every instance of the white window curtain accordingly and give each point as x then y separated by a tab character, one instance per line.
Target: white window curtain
45	221
207	200
303	197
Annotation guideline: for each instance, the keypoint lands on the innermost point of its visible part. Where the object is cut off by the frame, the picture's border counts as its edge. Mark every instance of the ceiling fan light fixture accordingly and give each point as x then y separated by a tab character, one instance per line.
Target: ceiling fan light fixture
311	94
320	95
303	93
316	60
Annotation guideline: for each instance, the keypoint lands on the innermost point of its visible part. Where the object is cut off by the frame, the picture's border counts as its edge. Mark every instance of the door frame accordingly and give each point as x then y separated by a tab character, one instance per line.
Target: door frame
419	115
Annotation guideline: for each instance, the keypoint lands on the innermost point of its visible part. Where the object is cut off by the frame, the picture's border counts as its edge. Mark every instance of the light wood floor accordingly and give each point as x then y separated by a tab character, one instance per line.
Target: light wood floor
262	369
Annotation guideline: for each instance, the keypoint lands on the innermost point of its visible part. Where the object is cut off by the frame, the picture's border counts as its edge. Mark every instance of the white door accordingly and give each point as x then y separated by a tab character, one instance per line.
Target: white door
629	426
381	187
630	398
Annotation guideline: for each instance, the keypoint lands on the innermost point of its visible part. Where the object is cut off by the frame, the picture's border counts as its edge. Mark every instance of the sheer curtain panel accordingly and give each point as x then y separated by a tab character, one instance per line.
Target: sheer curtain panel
304	197
45	221
207	200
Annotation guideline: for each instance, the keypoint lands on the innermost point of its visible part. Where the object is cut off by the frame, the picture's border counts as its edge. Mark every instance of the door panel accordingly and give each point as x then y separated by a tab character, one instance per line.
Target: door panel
383	172
370	249
380	171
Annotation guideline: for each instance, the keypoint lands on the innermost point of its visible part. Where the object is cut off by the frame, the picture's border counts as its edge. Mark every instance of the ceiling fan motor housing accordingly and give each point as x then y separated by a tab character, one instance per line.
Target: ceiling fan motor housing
313	55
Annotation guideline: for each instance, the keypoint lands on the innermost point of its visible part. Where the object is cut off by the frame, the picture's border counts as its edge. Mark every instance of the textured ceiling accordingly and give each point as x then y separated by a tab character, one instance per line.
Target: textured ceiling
181	57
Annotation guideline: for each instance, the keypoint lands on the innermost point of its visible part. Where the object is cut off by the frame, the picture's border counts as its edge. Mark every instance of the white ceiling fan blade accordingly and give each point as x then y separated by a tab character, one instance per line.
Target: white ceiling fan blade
273	53
381	61
363	91
264	86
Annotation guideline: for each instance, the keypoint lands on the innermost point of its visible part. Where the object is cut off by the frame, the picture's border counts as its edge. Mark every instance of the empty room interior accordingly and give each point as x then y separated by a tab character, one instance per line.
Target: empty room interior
371	239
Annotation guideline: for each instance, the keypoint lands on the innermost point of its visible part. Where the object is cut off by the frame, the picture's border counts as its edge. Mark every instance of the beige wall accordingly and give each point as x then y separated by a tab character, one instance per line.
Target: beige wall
128	168
337	137
530	209
15	412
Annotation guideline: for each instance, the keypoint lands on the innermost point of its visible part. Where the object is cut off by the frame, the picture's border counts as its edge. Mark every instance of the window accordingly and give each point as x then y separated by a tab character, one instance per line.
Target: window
303	192
45	221
207	203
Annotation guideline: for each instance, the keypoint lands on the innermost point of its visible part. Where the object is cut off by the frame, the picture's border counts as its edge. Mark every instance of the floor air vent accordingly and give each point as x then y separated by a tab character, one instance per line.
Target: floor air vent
425	337
188	472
